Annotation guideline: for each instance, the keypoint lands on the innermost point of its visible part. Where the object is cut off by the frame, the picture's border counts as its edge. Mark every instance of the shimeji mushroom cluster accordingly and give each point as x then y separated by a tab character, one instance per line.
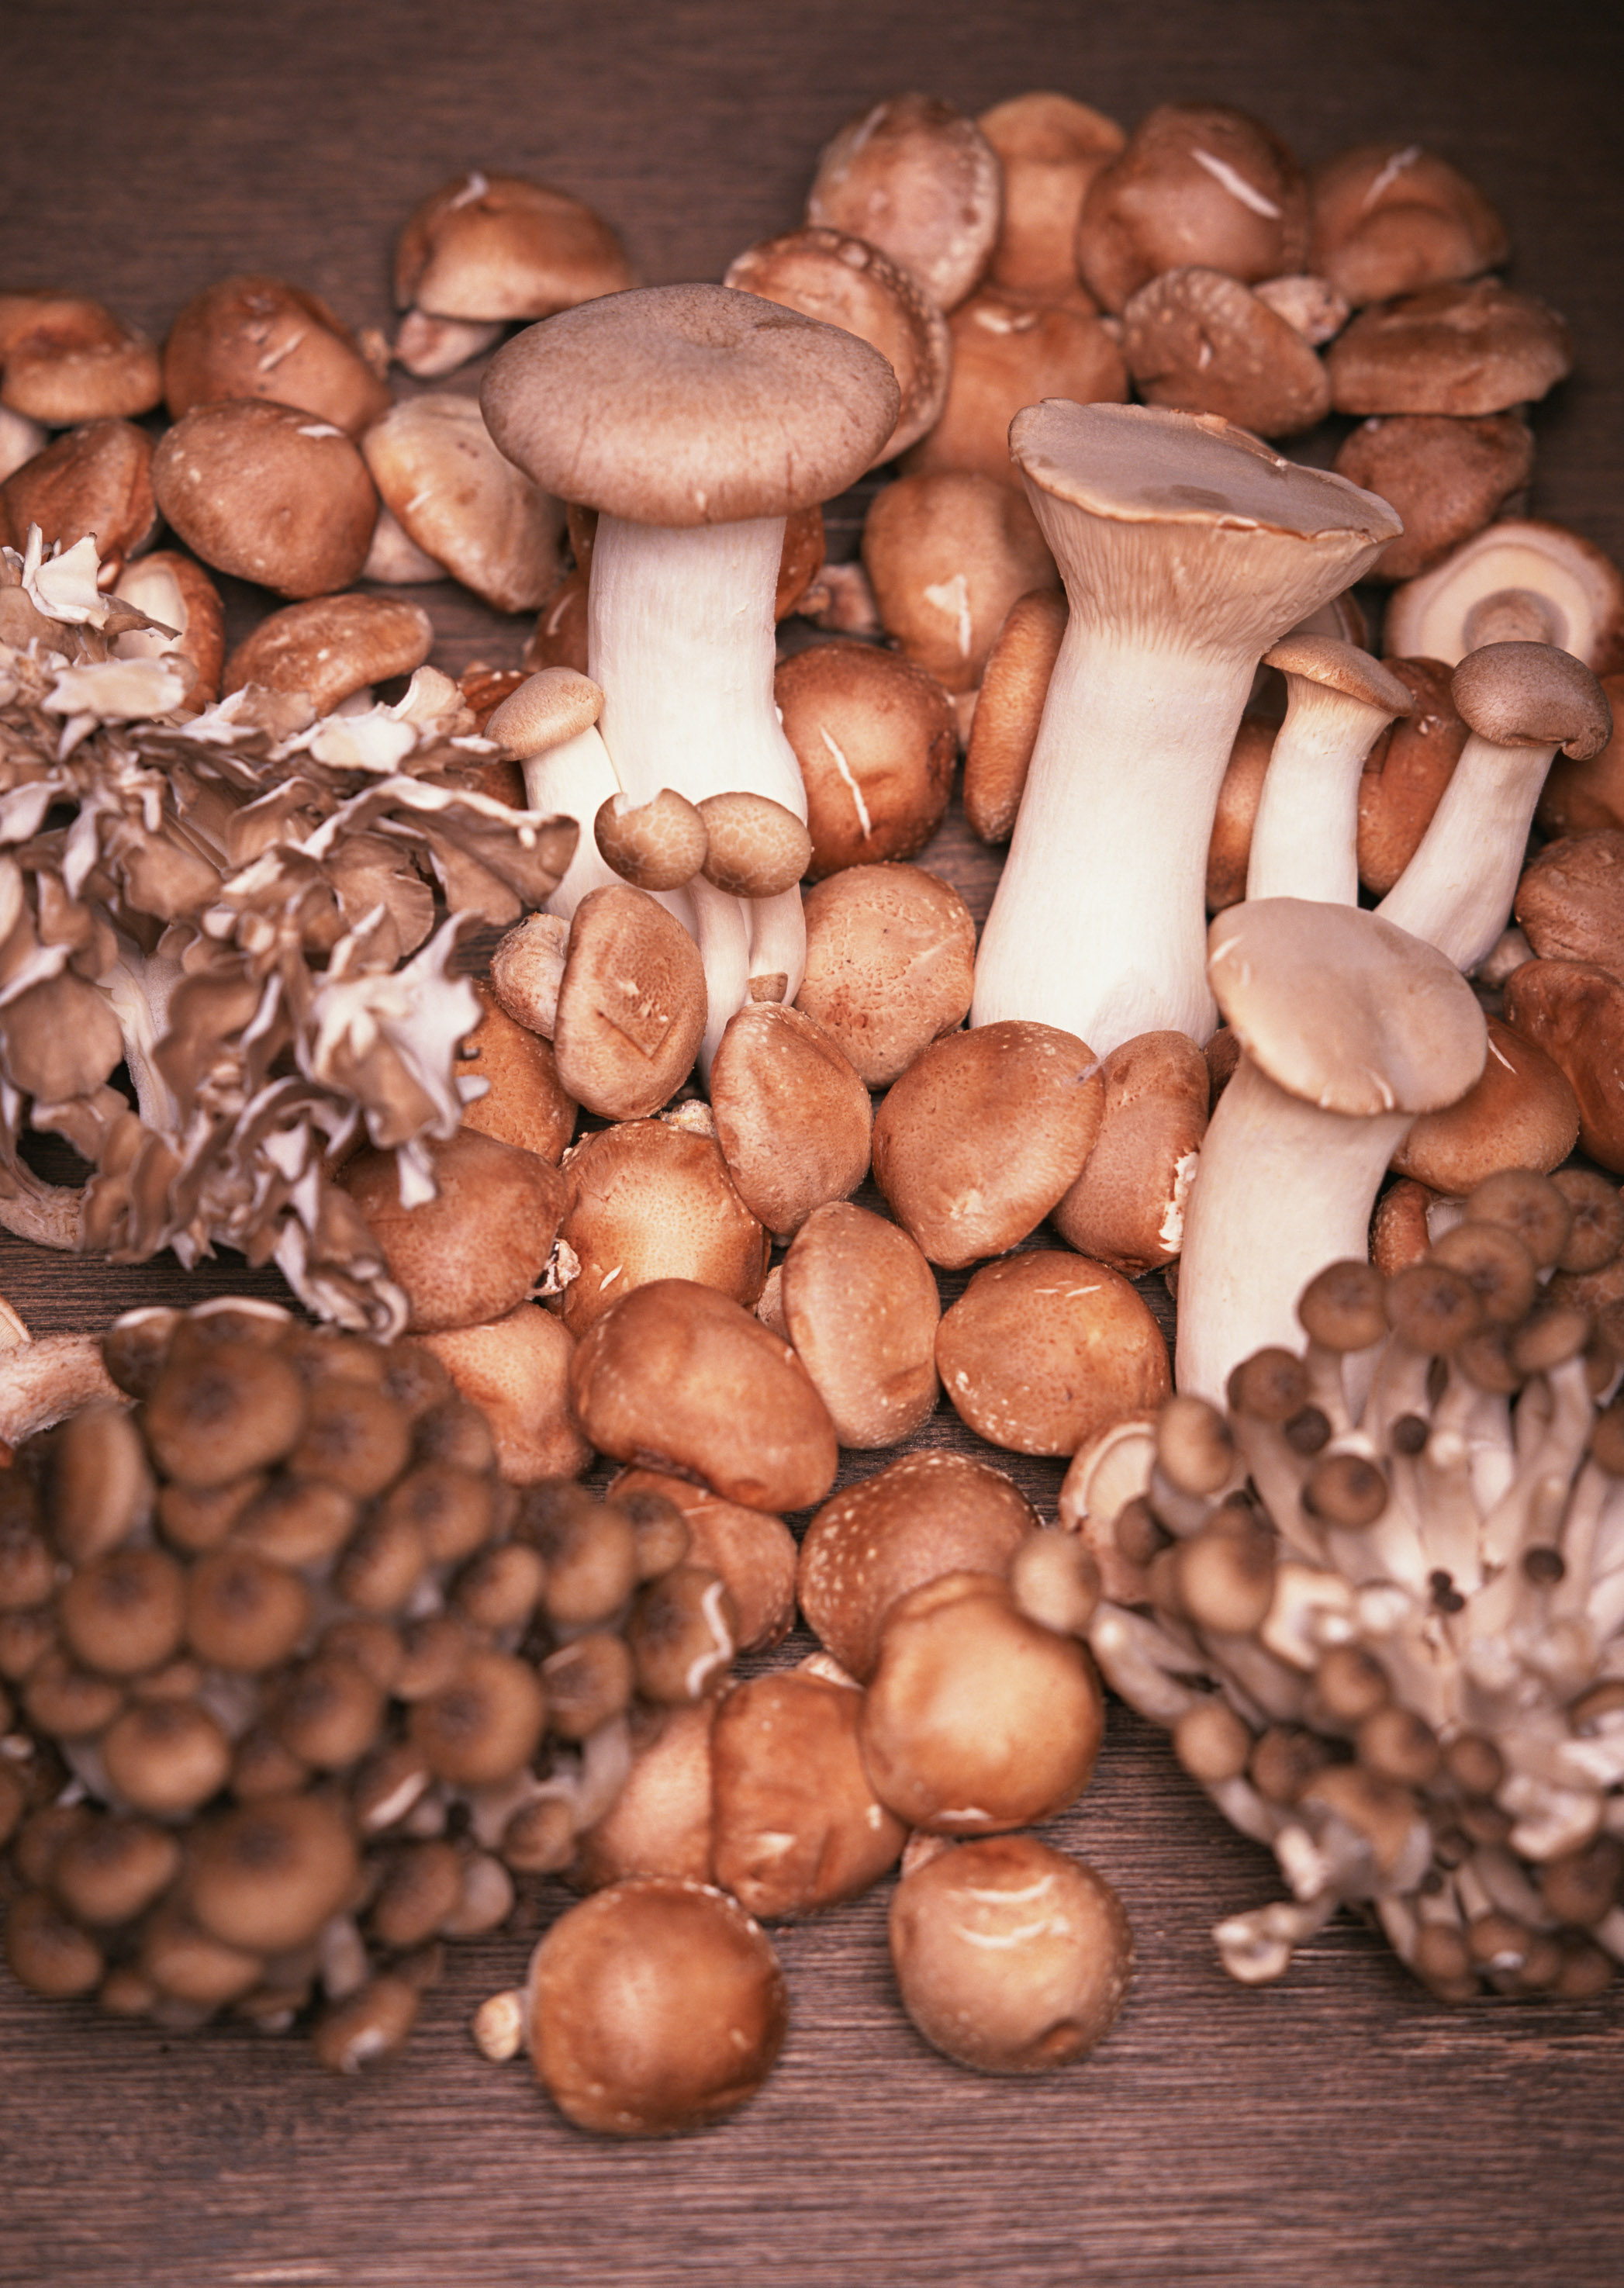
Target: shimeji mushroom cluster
291	1684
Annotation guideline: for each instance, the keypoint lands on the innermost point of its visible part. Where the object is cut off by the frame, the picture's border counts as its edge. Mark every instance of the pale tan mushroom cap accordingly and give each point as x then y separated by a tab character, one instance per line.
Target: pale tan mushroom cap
1343	1009
1341	667
690	405
547	708
1529	695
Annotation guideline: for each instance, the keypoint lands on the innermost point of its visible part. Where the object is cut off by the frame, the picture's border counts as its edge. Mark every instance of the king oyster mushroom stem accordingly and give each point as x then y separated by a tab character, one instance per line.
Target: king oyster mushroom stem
1349	1029
1522	702
1187	548
1305	837
695	419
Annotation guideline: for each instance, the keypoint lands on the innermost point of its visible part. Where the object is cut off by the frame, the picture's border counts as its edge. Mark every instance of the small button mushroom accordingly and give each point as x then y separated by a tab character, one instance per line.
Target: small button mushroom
1462	349
590	1550
849	282
1014	685
371	2024
875	737
331	647
297	1522
1522	1113
674	1373
166	1757
924	1516
266	1876
1126	1209
975	1717
478	1247
797	1826
267	493
499	1590
355	1437
754	1553
1010	350
114	1869
657	844
631	1006
1045	1350
793	1118
655	2006
462	503
588	1682
964	1178
755	847
243	1613
660	1822
1050	148
947	553
97	479
1198	339
525	1103
515	1369
216	1415
1388	217
861	1305
251	336
420	1886
919	180
647	1201
890	965
1194	183
329	1712
1009	1956
48	1952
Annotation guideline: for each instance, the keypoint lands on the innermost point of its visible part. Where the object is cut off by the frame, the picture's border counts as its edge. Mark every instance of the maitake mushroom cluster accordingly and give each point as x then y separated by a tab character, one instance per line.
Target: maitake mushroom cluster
1380	1602
292	1685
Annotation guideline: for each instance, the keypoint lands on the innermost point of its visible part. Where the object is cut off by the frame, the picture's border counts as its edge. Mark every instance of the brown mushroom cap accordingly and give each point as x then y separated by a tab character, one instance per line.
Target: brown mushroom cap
922	1516
1194	183
660	1822
755	847
1532	694
861	1305
478	1246
1044	1350
705	405
1388	217
97	479
516	1371
754	1553
1009	350
553	705
251	336
1198	339
1447	478
462	503
1050	148
1516	580
947	553
1581	797
1406	773
678	1375
1574	1012
1005	728
874	736
1466	349
983	1133
975	1717
631	1004
797	1826
658	844
655	2005
526	1103
174	589
1521	1113
890	963
499	246
267	493
648	1200
1009	1956
1240	792
332	646
848	283
1571	900
793	1118
64	360
266	1876
918	179
1126	1209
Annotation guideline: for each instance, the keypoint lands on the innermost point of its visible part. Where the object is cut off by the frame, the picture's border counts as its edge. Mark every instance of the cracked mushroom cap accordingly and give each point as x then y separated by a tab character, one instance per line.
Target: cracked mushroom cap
1343	1009
690	405
1201	340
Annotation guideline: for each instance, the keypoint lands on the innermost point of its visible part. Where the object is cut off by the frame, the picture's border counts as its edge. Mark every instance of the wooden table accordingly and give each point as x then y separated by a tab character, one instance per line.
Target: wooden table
1340	2127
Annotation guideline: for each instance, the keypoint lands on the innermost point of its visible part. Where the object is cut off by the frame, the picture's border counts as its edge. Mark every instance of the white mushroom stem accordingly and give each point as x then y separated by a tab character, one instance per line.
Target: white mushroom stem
1457	890
1099	924
680	636
1284	1189
574	780
1305	839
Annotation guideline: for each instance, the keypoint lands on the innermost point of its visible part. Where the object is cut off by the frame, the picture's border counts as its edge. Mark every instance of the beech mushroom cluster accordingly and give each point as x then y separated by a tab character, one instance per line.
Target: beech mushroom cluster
293	1684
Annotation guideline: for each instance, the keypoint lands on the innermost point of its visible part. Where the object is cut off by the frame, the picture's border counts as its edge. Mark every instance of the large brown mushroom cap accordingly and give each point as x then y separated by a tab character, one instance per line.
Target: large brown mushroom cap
268	493
916	178
1009	350
1519	1113
861	1308
1388	217
1574	1011
689	405
1532	694
1198	340
650	1201
251	336
1126	1209
479	1245
1051	147
484	247
97	479
874	736
1449	349
331	646
631	1004
1406	773
1446	477
890	963
792	1116
516	1371
947	553
462	503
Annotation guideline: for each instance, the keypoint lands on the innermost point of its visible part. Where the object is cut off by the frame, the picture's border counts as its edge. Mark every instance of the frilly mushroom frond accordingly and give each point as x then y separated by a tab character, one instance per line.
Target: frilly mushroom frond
237	905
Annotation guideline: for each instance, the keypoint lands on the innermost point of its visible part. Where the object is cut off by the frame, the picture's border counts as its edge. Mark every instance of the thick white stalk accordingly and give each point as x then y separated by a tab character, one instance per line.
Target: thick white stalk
1282	1190
1100	923
1456	891
1305	837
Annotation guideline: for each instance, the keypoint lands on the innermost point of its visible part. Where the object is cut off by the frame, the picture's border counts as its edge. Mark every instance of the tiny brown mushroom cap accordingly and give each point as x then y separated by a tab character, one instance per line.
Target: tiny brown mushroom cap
268	1875
755	847
709	406
332	646
1009	1956
548	708
267	493
655	845
655	2005
474	1251
793	1118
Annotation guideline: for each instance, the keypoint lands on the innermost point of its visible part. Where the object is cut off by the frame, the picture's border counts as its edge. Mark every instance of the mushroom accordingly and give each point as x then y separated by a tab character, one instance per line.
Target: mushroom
1446	476
1009	350
1096	926
647	1201
1388	217
1521	1113
754	1553
772	412
1198	339
1518	581
947	553
861	1305
1304	836
250	335
474	1249
1588	796
332	648
65	359
1469	349
1568	904
1194	183
1044	1350
874	735
793	1118
1406	773
1348	1029
268	493
918	179
1574	1011
461	504
1014	685
890	955
96	480
1126	1208
516	1371
1050	148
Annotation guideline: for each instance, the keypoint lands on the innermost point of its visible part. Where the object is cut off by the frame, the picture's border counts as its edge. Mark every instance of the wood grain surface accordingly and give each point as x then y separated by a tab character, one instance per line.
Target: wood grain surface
1339	2127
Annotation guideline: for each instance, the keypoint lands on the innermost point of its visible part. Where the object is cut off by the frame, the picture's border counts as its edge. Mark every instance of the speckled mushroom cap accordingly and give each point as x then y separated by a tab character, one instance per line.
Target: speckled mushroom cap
555	704
690	405
1528	694
1341	667
1345	1010
1198	477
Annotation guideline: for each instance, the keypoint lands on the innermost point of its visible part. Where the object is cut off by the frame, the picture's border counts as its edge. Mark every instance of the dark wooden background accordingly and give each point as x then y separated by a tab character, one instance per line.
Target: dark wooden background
1340	2127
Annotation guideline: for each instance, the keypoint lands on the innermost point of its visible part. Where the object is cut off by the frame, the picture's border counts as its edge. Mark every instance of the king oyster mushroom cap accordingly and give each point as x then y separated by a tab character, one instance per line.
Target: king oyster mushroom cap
1522	580
1305	835
1348	1029
1187	548
695	420
458	500
1522	702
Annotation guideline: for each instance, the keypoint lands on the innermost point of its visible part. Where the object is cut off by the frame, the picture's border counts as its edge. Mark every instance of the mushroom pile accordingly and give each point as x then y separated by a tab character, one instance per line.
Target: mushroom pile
1378	1600
292	1685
